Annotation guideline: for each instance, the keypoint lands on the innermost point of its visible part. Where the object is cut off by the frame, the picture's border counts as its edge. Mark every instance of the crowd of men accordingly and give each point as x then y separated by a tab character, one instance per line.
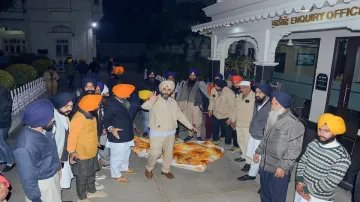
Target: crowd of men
69	135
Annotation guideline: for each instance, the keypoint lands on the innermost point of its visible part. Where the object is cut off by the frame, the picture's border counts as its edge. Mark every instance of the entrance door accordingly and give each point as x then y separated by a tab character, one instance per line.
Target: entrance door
344	97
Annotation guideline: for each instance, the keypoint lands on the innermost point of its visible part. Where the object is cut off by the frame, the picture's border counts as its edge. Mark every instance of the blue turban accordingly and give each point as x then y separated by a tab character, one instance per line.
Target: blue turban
227	74
167	74
193	70
283	98
101	85
87	80
219	75
264	88
38	113
220	83
61	99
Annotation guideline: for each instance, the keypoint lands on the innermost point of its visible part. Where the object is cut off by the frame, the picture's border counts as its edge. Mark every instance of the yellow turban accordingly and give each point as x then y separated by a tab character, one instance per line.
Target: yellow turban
144	94
335	123
167	83
69	60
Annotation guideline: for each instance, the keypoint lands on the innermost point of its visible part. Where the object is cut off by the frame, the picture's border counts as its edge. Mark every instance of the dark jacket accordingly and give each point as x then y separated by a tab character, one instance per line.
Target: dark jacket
113	81
94	67
118	116
281	144
37	159
148	85
5	108
82	68
258	121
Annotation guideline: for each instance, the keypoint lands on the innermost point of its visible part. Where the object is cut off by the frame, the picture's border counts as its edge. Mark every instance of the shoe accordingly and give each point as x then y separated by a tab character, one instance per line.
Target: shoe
8	168
199	139
188	138
216	142
228	146
234	149
97	194
148	174
106	167
85	200
245	178
168	175
98	186
239	160
145	134
99	177
246	168
259	191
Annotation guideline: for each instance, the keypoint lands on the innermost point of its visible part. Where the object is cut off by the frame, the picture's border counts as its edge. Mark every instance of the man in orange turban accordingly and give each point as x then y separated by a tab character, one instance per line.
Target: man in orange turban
83	147
120	125
117	77
324	163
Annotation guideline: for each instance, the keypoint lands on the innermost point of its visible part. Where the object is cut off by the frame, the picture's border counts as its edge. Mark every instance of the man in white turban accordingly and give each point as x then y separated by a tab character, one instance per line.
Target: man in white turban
164	115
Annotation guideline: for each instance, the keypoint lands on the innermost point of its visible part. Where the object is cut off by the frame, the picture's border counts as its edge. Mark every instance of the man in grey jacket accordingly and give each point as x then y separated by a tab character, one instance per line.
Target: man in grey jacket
279	148
261	111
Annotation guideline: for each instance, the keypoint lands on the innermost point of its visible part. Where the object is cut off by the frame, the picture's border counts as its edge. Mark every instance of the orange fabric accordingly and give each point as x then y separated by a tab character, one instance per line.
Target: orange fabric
123	90
90	102
236	78
83	137
3	179
119	69
210	86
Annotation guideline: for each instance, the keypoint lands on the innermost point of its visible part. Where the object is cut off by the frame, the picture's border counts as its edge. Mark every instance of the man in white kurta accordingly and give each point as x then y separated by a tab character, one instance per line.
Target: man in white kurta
63	105
262	108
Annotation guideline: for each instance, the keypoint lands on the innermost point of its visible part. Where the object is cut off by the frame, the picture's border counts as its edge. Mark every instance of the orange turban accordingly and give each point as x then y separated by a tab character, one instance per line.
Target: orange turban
123	90
119	69
335	123
236	78
90	102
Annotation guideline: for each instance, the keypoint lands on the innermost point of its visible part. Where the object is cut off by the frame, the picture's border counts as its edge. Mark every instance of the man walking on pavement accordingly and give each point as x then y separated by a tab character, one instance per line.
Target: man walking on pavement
221	111
244	113
236	89
70	72
5	124
82	68
278	149
261	112
36	154
164	115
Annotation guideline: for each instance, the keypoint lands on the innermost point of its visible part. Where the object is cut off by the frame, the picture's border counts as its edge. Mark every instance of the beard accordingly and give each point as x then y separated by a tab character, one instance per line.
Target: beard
89	92
273	116
165	96
191	82
67	113
259	100
326	141
152	79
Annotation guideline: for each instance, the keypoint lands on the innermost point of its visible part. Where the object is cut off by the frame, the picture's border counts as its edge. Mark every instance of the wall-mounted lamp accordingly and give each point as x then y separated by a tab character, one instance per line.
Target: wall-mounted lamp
94	24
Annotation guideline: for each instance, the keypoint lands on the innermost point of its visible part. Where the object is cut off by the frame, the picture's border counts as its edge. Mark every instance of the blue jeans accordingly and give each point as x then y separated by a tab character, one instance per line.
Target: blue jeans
273	189
145	115
5	148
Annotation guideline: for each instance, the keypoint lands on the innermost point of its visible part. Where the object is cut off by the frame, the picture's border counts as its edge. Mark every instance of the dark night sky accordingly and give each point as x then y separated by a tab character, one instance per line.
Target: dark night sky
129	21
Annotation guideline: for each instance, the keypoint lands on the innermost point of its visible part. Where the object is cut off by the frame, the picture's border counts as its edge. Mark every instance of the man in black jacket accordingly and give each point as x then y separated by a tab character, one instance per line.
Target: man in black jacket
5	124
119	123
95	69
151	84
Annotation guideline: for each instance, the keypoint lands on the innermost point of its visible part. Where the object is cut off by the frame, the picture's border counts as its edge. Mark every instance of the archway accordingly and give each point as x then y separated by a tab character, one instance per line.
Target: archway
12	42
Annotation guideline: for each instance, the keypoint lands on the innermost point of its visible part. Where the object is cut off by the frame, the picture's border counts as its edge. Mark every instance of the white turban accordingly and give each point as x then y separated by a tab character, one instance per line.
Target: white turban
169	84
245	83
105	90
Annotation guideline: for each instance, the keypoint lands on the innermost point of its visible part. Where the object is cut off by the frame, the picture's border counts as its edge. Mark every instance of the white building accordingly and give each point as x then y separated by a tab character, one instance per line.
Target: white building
311	46
55	28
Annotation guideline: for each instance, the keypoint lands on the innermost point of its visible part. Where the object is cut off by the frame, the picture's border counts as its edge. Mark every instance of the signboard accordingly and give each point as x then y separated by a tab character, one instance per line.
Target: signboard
321	82
339	13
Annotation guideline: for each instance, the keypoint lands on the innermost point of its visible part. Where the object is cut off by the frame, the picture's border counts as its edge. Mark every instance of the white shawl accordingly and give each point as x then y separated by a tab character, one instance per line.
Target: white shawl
61	124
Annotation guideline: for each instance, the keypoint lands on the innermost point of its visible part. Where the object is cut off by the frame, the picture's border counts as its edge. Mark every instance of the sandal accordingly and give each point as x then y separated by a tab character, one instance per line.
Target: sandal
122	180
130	171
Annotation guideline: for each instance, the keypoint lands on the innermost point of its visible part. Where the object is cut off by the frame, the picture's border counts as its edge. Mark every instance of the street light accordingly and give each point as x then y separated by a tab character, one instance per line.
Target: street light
94	24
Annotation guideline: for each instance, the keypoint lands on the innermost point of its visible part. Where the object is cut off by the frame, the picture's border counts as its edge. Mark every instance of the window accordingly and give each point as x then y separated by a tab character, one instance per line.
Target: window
62	48
17	49
42	51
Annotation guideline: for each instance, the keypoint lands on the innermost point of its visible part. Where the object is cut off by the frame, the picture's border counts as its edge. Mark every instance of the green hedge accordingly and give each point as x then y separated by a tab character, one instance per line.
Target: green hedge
41	66
6	80
22	73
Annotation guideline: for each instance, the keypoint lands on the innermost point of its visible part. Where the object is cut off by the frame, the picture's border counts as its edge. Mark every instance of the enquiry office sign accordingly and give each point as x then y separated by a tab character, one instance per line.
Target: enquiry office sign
339	13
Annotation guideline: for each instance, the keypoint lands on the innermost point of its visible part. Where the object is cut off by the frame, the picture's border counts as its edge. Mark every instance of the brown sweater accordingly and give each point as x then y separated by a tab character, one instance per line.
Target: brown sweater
222	104
164	115
244	110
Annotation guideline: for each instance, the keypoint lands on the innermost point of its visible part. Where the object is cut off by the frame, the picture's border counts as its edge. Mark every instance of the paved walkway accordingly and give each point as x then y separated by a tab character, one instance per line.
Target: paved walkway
216	184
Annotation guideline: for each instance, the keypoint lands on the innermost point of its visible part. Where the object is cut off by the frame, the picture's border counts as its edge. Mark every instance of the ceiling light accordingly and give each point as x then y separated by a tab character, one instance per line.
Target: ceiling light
94	24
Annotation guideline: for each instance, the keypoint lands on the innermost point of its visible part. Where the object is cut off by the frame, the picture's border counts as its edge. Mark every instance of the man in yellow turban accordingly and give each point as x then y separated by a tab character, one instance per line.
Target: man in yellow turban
164	115
120	128
324	163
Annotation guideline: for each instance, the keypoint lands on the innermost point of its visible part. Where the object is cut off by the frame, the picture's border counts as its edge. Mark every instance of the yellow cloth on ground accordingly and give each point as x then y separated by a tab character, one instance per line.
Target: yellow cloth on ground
188	155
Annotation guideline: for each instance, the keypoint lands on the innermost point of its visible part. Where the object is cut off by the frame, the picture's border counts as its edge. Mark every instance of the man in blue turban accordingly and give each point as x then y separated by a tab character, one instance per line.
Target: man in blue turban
36	153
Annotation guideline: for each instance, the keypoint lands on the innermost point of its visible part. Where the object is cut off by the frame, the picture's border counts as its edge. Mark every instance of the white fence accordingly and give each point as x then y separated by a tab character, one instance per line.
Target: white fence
26	94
